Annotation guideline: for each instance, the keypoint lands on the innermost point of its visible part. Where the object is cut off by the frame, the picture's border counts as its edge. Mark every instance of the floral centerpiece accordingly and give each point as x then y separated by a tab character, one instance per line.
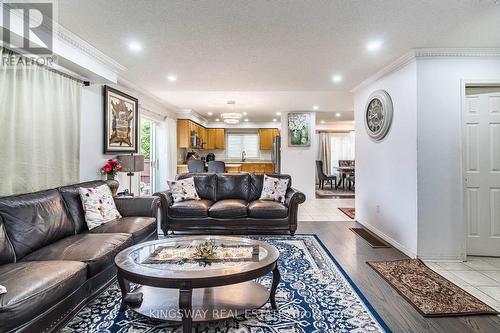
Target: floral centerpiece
111	168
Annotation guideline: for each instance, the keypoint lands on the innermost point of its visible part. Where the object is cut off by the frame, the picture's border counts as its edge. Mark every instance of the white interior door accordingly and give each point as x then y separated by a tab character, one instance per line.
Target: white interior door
482	170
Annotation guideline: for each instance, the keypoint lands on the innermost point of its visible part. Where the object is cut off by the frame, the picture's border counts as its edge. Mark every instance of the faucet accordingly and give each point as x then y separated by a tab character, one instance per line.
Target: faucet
243	156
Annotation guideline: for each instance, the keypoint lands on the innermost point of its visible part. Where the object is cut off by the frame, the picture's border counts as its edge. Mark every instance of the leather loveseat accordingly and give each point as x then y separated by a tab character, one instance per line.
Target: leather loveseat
230	204
51	263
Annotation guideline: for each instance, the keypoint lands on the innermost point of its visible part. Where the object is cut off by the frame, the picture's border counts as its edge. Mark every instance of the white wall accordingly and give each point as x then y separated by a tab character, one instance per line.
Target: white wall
91	134
441	232
386	172
299	161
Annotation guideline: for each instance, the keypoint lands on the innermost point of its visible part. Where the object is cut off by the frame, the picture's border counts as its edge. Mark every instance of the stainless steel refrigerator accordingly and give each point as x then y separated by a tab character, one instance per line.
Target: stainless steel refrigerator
276	154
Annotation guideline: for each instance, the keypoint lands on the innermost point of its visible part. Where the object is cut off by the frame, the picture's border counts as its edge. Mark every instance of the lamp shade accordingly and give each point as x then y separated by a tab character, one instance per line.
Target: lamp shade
131	163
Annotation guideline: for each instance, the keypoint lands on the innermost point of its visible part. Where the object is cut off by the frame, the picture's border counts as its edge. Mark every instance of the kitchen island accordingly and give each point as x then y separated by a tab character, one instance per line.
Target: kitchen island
237	166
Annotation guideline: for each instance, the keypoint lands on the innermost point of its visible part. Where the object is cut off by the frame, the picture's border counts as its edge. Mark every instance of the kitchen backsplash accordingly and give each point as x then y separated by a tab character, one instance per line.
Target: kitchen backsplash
220	154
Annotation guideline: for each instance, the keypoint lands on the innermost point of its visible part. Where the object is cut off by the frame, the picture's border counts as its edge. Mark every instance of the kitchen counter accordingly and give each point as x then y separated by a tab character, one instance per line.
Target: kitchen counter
238	166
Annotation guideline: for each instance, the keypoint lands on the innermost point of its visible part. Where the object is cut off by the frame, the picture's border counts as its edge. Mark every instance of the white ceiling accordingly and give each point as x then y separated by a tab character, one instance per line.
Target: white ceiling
270	55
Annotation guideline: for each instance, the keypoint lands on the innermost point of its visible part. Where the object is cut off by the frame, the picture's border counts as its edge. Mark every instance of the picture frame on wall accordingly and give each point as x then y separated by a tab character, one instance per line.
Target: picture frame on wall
121	122
299	129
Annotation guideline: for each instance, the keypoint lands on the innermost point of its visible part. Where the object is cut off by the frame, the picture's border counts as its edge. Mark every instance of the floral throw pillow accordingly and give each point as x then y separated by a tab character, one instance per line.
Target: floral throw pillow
98	205
274	189
183	190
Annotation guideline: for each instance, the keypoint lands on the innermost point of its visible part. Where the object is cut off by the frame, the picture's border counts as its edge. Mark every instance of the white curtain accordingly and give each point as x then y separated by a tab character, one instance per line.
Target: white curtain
342	148
39	128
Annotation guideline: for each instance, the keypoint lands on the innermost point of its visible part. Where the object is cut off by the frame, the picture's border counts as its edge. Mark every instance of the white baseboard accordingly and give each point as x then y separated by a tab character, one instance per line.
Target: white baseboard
443	258
389	240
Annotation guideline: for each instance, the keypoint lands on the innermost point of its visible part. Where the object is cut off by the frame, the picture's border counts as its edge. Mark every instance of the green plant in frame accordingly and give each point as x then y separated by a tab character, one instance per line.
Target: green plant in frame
298	129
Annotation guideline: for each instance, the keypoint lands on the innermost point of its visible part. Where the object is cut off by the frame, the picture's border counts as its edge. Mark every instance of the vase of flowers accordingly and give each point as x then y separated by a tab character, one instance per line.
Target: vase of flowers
110	169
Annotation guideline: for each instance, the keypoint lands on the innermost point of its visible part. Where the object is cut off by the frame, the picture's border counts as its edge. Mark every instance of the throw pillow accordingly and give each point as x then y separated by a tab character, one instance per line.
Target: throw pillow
3	290
274	189
98	205
183	190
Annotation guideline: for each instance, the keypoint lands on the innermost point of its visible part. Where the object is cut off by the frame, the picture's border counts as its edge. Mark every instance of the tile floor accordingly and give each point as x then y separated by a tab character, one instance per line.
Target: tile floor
324	209
479	276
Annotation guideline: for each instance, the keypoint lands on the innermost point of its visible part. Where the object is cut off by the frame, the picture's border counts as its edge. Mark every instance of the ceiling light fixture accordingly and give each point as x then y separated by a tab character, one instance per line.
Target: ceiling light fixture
135	46
315	107
275	120
337	115
278	113
337	78
217	119
231	117
244	113
374	45
172	78
322	121
246	119
210	113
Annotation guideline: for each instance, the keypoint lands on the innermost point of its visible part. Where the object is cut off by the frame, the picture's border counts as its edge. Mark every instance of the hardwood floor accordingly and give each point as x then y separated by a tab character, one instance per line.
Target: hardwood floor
352	253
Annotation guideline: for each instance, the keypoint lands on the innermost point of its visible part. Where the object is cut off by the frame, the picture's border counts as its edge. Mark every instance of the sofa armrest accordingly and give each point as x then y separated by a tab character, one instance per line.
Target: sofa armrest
292	200
166	200
138	206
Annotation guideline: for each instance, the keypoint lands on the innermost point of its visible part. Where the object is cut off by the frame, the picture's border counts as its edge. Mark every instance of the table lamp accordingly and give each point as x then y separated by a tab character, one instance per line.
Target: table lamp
130	164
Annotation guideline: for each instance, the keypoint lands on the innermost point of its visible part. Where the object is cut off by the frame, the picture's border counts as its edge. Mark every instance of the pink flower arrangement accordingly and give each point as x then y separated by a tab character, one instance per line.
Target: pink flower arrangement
111	168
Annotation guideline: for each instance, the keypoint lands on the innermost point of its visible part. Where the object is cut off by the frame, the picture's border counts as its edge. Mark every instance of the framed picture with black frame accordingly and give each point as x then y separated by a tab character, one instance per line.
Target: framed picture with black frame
121	122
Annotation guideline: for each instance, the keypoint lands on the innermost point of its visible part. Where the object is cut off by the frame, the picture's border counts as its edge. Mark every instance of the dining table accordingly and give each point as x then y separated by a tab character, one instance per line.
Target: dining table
343	172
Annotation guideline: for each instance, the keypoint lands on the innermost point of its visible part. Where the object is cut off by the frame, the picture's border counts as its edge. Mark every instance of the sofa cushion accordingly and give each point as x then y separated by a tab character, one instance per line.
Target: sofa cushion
256	184
34	220
183	189
35	286
232	186
139	227
98	205
205	183
265	209
96	250
74	205
228	209
7	254
190	208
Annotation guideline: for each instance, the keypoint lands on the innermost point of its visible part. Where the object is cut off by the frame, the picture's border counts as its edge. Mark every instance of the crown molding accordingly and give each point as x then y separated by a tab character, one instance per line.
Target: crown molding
423	53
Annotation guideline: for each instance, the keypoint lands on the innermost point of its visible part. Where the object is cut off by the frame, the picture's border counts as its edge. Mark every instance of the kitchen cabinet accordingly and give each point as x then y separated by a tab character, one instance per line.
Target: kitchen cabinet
183	133
215	138
257	167
266	137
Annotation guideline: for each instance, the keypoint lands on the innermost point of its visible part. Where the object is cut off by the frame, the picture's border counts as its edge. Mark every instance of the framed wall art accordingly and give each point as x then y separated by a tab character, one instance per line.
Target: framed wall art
121	122
299	129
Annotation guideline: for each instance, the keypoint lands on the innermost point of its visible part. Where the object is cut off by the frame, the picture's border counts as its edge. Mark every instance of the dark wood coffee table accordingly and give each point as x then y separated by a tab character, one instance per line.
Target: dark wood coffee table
192	291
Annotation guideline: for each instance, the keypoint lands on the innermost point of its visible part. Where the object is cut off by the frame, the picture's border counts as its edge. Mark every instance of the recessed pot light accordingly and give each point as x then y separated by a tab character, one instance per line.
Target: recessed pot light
315	107
135	46
337	114
322	121
278	113
246	119
210	113
217	119
244	113
337	78
374	45
275	120
172	78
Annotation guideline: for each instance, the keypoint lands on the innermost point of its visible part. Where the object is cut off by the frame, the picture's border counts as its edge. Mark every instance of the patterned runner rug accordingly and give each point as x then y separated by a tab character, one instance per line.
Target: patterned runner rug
430	293
315	295
350	212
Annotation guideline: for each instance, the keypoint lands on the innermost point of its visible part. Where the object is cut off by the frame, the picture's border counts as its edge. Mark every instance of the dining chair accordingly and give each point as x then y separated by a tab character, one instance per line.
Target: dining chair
196	166
323	177
216	166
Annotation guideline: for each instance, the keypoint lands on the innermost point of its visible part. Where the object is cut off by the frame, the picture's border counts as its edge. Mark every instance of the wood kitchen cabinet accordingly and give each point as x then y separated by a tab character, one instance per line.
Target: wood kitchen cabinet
257	167
266	137
183	133
215	138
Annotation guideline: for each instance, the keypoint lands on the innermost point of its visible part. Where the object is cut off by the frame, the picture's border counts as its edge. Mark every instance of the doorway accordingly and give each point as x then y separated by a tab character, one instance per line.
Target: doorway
154	147
481	167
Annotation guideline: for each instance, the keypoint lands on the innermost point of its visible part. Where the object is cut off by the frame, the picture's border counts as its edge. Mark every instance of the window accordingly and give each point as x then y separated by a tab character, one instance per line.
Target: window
239	142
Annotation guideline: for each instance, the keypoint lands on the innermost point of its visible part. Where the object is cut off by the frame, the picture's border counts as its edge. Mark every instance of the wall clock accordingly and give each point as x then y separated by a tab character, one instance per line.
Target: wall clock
378	115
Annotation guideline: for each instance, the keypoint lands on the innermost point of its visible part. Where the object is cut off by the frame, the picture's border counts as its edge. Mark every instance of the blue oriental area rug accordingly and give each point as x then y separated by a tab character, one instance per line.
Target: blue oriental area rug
315	296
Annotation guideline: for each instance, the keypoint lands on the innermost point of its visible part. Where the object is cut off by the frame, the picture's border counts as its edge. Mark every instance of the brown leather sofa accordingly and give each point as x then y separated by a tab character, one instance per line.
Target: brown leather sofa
230	204
51	263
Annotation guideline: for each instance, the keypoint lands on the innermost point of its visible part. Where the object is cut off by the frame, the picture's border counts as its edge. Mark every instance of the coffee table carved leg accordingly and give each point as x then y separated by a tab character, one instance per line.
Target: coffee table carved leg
274	286
128	298
185	306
